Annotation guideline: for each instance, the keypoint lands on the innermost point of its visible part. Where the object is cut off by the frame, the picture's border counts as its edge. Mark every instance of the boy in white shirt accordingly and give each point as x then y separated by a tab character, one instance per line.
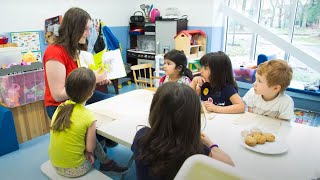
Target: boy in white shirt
267	96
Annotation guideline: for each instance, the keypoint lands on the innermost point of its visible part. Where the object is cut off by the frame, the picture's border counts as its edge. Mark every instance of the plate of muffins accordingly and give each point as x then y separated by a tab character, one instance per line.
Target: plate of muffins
263	142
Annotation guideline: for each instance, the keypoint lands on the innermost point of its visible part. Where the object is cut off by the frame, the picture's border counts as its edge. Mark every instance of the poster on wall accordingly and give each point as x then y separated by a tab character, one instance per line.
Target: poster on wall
51	27
28	41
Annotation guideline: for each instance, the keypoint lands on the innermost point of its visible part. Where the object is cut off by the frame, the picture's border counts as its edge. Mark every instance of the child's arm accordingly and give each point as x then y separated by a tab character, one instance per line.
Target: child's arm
196	84
287	110
91	138
248	98
236	107
216	152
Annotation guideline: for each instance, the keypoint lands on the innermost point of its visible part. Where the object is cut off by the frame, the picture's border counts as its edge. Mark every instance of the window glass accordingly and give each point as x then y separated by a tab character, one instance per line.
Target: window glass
276	16
248	8
307	27
238	45
267	48
302	74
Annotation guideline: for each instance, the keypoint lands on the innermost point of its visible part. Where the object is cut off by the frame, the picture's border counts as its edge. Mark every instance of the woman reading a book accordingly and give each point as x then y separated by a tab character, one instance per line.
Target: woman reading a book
62	57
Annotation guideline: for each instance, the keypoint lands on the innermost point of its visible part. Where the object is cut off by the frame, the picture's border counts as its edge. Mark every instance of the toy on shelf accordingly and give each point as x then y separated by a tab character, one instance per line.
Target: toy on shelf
12	99
29	57
192	42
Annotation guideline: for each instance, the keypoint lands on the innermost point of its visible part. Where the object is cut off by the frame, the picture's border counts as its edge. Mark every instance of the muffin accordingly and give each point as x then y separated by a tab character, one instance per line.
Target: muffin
261	139
250	141
269	137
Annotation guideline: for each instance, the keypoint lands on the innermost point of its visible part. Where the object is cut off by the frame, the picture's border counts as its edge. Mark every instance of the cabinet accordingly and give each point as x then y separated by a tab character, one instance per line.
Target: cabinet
149	39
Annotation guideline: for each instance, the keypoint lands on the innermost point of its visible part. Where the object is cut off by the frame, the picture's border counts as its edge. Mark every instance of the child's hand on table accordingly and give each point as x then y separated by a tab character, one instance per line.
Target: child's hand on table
210	106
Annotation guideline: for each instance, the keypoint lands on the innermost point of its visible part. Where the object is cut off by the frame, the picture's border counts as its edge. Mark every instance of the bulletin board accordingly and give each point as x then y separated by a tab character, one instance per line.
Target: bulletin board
28	41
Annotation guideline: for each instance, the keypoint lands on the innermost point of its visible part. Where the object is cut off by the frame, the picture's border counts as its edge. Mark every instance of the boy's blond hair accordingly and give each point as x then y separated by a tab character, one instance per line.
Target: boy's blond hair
277	72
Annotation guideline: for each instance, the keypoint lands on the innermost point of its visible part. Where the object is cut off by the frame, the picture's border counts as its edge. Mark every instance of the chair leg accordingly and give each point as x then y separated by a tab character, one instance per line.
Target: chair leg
128	165
115	83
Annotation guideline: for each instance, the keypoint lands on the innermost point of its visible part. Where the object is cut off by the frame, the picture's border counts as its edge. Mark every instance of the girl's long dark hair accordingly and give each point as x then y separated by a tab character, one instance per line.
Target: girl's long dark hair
175	130
180	59
79	86
71	30
220	68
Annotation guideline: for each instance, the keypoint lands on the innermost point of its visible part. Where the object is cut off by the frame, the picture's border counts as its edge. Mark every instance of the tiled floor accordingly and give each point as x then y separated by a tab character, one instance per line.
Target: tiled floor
25	162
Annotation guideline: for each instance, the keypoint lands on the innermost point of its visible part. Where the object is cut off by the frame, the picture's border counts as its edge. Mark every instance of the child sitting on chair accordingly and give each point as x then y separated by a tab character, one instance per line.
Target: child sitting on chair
175	68
73	143
174	134
216	85
267	96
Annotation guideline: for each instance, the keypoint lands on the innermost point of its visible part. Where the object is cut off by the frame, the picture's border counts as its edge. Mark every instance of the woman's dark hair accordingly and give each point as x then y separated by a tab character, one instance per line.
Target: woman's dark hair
175	129
180	59
71	30
221	72
79	86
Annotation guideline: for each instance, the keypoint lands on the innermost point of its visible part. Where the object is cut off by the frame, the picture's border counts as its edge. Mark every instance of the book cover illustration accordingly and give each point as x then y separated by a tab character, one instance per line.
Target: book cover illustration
110	61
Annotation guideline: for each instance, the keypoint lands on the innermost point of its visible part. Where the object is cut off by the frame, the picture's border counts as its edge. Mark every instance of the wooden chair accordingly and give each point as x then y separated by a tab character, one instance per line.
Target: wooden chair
142	75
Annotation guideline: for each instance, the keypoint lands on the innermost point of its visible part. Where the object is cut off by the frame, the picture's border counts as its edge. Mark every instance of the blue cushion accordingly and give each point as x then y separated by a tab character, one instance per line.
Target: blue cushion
263	58
8	135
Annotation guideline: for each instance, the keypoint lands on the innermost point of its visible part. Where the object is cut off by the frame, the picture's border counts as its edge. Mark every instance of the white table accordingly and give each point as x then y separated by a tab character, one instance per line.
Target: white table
119	116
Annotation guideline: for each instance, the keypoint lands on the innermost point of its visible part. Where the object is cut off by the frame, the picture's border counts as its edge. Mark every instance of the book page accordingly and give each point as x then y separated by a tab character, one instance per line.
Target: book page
111	61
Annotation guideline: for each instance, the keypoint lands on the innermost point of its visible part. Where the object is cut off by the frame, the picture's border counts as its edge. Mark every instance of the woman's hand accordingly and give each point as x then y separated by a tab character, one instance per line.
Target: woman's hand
206	140
106	81
89	156
101	75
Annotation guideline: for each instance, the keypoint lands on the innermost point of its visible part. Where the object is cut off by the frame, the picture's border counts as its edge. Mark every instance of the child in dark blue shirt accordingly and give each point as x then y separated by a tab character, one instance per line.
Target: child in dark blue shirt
216	85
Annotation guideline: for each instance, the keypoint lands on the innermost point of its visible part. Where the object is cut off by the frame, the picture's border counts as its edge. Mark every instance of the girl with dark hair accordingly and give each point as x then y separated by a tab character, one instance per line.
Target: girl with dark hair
175	68
216	85
61	57
174	134
73	130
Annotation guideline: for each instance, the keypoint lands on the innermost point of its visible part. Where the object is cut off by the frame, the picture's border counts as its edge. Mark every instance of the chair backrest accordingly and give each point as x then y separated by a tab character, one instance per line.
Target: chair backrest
204	167
142	74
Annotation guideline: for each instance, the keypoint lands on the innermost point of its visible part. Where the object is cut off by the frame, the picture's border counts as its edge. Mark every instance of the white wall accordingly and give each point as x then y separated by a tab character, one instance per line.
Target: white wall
29	15
199	12
17	15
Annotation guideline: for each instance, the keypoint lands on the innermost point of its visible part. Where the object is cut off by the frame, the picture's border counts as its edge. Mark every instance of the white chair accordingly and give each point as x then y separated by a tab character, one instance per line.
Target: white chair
49	170
204	167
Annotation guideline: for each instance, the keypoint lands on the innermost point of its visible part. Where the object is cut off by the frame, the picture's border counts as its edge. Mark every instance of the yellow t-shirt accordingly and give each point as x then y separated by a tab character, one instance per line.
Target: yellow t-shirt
66	149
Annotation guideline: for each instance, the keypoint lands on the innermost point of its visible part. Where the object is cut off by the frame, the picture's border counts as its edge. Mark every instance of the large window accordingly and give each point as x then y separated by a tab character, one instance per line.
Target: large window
295	21
238	43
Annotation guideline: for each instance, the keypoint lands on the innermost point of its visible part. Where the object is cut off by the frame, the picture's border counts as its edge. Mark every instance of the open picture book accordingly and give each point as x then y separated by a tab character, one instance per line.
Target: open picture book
110	61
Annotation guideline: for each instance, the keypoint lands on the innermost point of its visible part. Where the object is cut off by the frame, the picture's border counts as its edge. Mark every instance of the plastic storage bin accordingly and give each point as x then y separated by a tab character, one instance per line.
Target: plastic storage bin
21	89
10	55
